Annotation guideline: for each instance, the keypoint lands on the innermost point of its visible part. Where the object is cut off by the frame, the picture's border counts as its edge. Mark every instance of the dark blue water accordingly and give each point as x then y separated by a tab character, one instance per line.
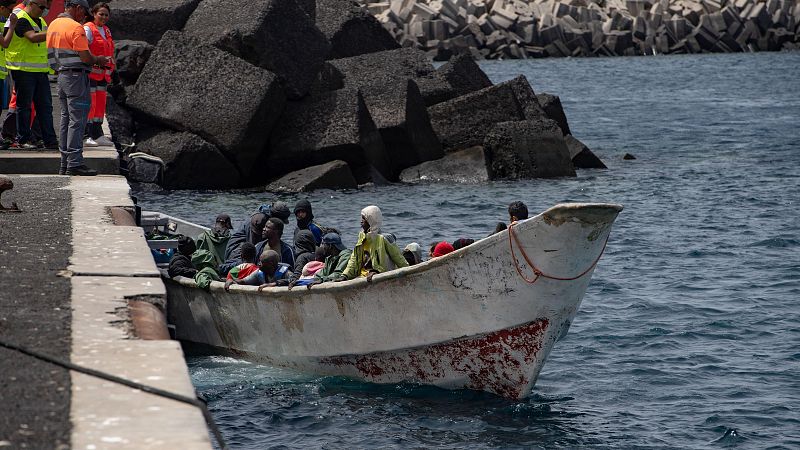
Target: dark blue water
689	334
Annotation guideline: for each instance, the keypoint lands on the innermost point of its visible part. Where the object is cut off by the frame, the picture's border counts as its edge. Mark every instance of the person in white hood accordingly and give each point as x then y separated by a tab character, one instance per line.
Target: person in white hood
373	253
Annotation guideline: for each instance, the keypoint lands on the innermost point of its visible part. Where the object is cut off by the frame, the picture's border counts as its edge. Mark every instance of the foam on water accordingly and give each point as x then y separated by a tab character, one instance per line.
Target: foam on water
688	335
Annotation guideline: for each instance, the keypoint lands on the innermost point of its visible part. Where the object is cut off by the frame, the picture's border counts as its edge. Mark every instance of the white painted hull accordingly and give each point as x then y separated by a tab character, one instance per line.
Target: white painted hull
466	320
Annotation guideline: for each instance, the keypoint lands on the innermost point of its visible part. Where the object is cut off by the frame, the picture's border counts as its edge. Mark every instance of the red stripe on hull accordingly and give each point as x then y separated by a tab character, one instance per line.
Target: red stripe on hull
500	362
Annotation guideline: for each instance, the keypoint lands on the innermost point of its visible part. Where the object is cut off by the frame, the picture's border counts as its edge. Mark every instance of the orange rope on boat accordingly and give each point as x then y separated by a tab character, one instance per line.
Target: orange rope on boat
536	270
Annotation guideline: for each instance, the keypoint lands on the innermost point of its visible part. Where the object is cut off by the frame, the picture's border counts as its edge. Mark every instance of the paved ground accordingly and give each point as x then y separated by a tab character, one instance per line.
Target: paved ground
35	312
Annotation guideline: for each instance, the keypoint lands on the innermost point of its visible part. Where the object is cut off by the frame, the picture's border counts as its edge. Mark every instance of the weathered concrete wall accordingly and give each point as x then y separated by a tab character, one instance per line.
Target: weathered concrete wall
539	28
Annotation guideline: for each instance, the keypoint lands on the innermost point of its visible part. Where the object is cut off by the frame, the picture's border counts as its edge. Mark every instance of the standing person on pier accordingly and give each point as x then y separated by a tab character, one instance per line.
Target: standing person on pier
68	54
6	7
26	58
100	43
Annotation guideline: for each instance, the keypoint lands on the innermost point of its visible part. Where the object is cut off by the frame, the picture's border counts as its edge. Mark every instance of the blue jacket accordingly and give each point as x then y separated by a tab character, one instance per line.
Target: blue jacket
287	254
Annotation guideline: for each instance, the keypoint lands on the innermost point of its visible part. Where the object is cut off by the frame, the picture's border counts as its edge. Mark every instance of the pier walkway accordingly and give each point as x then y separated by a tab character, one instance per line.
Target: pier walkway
68	277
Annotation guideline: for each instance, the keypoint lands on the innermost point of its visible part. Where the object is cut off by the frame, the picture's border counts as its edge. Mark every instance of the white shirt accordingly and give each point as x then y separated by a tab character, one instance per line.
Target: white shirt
89	35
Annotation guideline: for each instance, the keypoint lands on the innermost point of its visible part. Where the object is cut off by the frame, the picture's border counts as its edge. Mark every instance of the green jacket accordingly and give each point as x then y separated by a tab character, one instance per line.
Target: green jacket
214	244
384	255
334	266
203	260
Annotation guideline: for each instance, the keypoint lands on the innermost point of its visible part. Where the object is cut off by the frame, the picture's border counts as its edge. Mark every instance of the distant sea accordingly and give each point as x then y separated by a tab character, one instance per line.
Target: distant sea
689	334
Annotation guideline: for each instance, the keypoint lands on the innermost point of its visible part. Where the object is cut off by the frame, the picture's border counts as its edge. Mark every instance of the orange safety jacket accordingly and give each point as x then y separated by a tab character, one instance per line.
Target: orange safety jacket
101	46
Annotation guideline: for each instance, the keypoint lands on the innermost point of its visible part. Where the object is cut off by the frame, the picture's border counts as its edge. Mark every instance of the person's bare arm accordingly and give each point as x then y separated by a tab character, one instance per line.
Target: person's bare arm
9	32
36	37
87	57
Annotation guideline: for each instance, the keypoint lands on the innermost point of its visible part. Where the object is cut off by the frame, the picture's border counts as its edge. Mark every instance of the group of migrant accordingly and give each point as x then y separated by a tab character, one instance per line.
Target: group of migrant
255	254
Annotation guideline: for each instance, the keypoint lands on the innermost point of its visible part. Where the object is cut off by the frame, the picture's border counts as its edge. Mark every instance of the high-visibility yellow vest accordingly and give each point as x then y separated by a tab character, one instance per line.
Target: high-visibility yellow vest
3	70
23	54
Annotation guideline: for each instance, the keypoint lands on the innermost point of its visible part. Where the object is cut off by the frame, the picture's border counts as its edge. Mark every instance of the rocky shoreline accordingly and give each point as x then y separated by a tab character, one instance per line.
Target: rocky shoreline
229	101
518	29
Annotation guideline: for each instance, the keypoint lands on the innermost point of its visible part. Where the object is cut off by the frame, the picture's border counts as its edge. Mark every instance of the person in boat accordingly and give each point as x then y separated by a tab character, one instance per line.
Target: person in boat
462	242
373	253
248	272
273	270
413	254
181	263
273	231
249	232
203	261
308	276
501	226
305	221
305	247
216	239
335	256
517	211
441	249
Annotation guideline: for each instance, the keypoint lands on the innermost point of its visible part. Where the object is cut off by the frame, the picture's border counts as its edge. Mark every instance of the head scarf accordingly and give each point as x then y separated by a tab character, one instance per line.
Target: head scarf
374	218
415	250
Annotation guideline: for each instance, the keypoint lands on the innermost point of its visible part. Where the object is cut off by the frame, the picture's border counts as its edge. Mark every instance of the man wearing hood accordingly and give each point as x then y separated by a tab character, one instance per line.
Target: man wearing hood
305	248
216	239
305	221
373	253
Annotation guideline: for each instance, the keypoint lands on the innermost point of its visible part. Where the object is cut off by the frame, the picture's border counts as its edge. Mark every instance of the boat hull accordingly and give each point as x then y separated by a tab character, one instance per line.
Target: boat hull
479	318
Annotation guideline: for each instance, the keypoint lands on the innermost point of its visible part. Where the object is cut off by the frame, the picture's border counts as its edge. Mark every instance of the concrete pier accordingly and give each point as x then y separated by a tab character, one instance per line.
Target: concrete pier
67	277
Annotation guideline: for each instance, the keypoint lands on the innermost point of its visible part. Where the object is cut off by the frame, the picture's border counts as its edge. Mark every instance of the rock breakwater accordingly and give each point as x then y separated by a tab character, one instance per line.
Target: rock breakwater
495	29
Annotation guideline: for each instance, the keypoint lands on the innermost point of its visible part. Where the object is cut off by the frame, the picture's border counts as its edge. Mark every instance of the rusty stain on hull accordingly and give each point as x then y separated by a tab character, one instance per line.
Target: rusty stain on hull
501	362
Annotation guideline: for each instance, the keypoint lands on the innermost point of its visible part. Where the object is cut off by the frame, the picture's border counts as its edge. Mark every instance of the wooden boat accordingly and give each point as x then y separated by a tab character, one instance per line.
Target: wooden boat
484	317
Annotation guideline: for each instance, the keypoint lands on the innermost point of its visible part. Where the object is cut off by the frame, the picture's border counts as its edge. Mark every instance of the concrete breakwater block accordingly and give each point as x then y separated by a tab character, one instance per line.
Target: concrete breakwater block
148	20
551	104
463	166
120	122
334	126
460	75
581	156
527	99
172	87
399	113
527	149
351	29
464	121
131	57
190	162
275	35
331	175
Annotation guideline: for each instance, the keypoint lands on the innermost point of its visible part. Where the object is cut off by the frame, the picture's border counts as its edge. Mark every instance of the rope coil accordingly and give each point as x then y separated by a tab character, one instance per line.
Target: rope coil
512	238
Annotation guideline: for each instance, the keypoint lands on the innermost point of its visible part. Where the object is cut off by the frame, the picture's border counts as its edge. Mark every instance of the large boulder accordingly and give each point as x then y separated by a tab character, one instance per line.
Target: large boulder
387	81
351	29
527	149
551	105
190	162
400	115
234	106
273	34
463	166
334	126
121	124
331	175
131	57
148	20
464	121
581	156
460	75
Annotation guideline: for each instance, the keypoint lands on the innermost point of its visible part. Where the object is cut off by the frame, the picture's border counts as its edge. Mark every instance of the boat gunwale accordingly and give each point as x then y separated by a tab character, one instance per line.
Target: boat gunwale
335	287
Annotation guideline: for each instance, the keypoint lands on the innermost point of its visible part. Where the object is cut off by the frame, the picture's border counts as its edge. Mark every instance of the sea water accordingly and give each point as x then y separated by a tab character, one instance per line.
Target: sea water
689	334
